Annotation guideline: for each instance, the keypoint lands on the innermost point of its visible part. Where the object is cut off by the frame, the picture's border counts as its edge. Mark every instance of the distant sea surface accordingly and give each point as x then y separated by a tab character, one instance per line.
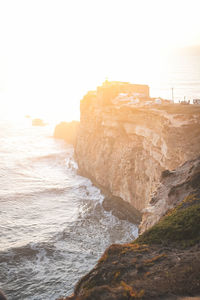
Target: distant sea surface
52	224
180	71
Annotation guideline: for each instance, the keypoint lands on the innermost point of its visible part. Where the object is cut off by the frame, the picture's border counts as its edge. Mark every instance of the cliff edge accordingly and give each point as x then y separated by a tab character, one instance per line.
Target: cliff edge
125	148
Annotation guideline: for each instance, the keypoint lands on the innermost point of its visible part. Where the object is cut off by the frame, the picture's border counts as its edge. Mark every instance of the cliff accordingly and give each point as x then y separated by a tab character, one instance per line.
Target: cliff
148	156
164	262
125	148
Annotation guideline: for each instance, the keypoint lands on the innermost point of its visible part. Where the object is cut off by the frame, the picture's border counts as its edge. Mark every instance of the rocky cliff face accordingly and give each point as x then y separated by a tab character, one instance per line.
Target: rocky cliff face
164	262
174	187
124	149
132	153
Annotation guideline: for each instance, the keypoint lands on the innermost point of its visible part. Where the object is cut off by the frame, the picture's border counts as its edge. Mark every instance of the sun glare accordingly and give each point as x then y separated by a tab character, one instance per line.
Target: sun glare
52	52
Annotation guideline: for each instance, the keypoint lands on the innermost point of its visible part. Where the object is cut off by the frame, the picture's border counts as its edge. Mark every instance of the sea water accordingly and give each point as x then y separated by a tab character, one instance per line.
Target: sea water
53	228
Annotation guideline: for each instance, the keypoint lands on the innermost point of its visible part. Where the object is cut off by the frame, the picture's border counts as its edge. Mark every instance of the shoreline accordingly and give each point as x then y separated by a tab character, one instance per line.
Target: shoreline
122	210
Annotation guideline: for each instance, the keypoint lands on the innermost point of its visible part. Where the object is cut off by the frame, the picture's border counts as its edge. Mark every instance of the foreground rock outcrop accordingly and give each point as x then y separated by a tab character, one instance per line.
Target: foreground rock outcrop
164	262
125	148
67	131
174	187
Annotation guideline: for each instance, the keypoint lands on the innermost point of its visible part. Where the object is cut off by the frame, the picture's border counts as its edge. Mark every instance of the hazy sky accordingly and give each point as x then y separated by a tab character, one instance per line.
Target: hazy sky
53	52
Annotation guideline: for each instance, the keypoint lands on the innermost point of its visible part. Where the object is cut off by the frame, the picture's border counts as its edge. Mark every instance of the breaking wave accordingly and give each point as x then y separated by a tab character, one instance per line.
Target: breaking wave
53	227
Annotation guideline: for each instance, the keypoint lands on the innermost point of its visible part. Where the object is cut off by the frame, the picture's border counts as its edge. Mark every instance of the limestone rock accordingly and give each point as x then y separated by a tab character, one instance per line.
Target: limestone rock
126	149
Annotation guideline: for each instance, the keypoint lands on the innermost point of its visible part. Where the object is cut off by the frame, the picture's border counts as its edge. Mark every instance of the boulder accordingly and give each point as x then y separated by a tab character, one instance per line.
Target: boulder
121	209
67	131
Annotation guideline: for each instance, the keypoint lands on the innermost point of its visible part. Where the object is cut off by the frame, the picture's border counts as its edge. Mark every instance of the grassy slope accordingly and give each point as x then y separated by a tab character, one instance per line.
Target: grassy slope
181	226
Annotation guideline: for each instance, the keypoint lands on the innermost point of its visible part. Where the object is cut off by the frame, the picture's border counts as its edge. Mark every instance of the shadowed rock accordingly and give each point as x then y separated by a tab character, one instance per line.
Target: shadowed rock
121	209
2	296
174	187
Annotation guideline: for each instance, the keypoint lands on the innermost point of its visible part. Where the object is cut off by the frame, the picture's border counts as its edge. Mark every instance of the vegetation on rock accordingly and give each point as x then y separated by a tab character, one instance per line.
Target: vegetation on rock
181	226
162	263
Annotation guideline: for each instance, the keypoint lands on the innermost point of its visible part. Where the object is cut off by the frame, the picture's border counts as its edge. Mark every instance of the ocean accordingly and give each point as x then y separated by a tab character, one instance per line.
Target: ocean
53	228
179	70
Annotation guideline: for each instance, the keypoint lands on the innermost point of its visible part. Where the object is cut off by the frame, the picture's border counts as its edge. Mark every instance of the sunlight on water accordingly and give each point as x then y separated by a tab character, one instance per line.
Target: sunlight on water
162	72
53	227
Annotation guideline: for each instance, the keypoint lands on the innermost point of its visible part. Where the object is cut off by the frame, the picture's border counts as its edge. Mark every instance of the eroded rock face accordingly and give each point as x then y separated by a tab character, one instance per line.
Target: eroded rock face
125	149
174	187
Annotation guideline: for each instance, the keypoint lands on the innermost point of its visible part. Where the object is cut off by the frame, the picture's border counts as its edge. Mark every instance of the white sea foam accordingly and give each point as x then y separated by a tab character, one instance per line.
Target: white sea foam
53	226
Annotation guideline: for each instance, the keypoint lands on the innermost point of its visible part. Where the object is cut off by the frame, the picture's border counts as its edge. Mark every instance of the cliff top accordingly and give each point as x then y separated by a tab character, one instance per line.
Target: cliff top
177	108
134	99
